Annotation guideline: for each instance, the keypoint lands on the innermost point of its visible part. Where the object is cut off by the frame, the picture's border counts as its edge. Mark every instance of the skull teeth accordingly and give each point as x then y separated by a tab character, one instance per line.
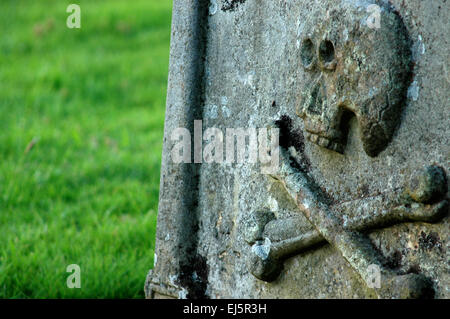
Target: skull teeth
326	143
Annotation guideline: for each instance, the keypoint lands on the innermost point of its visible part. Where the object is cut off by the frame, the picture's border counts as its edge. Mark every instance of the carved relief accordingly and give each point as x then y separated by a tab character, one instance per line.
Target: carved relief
363	71
423	199
354	68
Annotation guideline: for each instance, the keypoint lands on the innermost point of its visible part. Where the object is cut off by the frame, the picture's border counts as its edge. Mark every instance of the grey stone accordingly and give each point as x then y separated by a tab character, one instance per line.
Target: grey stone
367	186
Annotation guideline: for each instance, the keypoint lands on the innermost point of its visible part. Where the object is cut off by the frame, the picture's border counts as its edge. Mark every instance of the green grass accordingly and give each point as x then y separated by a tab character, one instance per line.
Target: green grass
91	101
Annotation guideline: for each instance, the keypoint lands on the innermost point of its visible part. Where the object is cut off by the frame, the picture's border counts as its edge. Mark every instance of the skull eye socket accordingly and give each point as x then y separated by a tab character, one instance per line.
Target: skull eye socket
326	54
307	53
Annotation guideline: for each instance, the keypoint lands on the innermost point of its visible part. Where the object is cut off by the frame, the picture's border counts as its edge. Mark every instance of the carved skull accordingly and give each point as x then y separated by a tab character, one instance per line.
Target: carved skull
356	66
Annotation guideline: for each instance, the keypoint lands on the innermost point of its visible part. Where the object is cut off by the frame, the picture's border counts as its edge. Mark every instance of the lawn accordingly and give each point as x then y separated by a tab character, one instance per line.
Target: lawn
81	125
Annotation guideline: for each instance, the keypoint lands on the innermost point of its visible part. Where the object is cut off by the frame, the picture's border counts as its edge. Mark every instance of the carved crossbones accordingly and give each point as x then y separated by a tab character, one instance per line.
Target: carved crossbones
423	199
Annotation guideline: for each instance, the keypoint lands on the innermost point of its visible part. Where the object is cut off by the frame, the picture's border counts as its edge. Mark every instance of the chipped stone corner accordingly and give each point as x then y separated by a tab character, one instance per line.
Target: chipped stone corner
155	289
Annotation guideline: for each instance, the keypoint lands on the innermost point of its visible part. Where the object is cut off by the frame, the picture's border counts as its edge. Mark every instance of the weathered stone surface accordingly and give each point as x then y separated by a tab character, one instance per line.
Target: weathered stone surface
382	200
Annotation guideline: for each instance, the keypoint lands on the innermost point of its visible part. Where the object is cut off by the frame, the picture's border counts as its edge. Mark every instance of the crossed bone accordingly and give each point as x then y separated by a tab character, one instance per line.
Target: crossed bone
423	199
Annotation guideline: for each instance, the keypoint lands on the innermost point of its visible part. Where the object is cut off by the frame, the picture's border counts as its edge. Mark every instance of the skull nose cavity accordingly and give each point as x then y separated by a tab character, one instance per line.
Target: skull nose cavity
317	99
326	55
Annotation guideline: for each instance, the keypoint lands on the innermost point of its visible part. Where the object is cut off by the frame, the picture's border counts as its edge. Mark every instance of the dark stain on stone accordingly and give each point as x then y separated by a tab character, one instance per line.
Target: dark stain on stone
427	291
430	241
394	261
231	5
387	261
363	191
441	194
193	270
194	277
414	269
293	137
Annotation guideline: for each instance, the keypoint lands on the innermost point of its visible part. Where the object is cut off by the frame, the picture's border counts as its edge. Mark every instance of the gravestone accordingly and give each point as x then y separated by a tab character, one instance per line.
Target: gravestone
351	198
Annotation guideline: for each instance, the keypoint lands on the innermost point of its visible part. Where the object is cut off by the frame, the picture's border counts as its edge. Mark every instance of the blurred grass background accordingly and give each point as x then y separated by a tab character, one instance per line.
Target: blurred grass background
81	124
